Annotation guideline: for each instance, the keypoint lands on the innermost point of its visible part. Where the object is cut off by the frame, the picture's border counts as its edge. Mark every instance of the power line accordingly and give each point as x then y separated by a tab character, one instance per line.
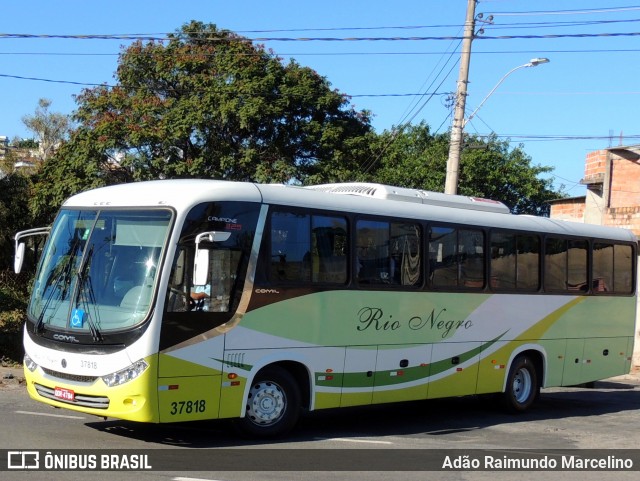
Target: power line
551	137
321	39
338	54
89	84
369	95
159	36
585	11
71	82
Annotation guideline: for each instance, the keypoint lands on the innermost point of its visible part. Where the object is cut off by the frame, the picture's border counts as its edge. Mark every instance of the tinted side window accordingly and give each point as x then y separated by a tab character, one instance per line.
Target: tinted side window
577	253
515	261
555	265
612	268
388	253
456	257
308	248
602	267
290	247
566	265
623	269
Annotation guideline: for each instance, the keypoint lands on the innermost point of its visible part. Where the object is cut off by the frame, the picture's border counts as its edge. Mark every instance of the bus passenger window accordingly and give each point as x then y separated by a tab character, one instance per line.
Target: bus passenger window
405	254
388	253
623	269
329	244
456	258
555	264
290	247
602	267
308	248
471	245
443	257
515	261
565	265
373	260
612	268
577	266
528	263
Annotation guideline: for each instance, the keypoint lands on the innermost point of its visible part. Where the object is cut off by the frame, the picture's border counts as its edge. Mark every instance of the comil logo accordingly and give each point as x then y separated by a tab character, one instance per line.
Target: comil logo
267	291
23	460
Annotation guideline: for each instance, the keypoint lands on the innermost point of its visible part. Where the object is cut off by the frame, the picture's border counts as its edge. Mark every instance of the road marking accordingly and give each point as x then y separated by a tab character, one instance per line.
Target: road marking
192	479
50	415
347	440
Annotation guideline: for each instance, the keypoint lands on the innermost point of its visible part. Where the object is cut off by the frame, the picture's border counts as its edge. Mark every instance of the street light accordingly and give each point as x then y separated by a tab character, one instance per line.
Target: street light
534	62
455	144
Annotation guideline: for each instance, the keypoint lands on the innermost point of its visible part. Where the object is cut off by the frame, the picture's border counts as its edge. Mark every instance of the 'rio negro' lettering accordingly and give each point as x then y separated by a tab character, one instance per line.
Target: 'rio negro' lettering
374	319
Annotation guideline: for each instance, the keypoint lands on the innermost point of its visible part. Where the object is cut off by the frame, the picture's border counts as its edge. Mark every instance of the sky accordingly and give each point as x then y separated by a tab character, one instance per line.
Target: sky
399	60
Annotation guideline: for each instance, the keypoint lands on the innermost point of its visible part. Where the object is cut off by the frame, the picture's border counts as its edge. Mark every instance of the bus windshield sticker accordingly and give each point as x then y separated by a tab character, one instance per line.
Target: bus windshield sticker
77	318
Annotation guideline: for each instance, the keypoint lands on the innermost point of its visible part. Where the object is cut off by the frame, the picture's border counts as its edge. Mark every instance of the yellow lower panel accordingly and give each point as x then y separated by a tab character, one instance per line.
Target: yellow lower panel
355	399
404	394
326	400
459	383
188	398
133	401
231	397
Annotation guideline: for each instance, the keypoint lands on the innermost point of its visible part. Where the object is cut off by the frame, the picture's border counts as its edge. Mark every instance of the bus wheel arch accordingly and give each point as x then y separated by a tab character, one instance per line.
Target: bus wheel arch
522	387
277	394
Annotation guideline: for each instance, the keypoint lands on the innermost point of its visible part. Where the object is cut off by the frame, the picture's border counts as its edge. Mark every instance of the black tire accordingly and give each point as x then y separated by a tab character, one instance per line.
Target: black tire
273	405
523	386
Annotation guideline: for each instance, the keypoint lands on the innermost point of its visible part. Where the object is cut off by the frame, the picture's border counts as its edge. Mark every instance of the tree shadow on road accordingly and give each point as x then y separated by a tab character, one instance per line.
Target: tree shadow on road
445	418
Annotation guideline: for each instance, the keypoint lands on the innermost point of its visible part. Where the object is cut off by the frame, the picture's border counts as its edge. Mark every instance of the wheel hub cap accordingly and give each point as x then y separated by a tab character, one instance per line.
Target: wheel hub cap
266	403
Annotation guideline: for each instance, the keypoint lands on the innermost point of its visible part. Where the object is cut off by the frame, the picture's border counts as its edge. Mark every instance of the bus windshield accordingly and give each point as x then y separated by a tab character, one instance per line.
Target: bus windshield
98	270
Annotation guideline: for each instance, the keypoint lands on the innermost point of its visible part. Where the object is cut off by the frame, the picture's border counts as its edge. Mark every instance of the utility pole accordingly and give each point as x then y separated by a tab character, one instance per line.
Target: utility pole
455	142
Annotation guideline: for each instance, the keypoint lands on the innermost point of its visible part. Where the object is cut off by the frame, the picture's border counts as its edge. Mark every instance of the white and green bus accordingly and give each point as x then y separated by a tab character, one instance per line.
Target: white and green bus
182	300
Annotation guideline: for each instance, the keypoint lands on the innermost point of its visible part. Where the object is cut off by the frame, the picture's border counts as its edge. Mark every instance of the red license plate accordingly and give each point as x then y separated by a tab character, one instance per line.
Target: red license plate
65	394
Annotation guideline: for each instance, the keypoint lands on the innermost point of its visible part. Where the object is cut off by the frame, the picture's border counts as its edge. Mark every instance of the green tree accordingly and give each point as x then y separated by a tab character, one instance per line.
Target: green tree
78	165
416	158
209	103
50	128
14	214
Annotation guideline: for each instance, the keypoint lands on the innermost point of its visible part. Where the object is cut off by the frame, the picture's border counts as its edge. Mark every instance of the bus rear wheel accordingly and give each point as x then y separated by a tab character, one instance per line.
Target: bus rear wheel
273	404
522	387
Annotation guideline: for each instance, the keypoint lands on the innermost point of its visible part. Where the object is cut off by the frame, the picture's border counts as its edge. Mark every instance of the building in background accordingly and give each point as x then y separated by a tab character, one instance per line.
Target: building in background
612	177
4	146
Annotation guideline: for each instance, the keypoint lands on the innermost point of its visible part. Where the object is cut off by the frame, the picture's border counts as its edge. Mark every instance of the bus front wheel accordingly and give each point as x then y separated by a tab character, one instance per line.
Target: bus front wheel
273	404
522	387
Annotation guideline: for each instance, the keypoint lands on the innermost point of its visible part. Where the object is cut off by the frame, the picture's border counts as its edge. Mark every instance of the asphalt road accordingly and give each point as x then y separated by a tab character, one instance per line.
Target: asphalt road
382	442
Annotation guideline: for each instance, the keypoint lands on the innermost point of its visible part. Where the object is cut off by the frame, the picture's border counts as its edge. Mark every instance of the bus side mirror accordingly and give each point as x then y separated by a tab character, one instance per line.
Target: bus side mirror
201	267
201	261
19	258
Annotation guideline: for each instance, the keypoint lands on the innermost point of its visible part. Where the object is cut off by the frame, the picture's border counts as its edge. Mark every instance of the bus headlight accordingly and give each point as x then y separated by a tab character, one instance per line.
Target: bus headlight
29	363
126	374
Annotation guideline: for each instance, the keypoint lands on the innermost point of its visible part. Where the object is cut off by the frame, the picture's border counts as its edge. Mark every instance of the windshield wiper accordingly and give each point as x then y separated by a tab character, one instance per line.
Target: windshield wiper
64	274
37	327
95	332
83	279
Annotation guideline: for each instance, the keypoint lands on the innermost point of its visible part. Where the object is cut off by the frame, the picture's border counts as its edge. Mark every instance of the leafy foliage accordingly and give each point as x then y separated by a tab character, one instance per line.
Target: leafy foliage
14	213
488	168
211	104
50	128
12	318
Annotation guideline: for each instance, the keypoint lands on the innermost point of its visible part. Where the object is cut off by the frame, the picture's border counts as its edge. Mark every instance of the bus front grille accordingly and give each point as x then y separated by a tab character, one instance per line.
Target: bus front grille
84	400
69	377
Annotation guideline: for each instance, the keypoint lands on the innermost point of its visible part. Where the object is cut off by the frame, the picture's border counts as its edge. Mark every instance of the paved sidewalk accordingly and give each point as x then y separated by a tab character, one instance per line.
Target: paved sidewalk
633	376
